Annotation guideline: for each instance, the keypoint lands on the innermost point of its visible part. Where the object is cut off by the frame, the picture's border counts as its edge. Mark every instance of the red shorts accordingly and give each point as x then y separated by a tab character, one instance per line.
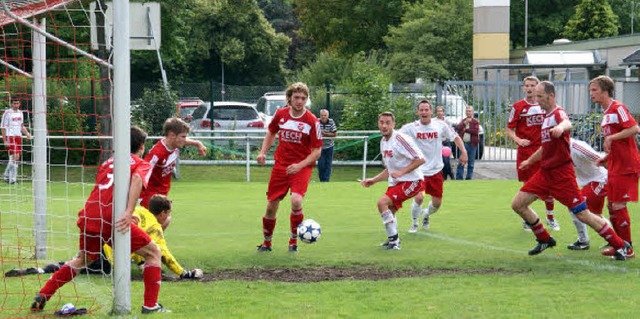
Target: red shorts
622	188
522	155
280	182
559	183
433	185
403	191
91	243
14	145
595	192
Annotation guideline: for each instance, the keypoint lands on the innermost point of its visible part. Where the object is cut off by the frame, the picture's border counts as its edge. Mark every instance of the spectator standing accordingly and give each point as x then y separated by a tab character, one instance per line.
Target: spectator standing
525	121
623	162
329	129
402	159
300	143
468	129
12	127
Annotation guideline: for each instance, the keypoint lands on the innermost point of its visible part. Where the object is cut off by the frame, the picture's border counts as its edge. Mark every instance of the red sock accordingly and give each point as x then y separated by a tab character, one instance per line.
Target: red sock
541	233
549	205
295	219
610	236
152	276
64	275
268	225
622	223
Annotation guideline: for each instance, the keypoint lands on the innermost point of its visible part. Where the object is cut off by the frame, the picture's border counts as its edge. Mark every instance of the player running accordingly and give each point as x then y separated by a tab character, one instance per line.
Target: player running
12	127
525	122
428	136
300	144
402	159
556	177
623	162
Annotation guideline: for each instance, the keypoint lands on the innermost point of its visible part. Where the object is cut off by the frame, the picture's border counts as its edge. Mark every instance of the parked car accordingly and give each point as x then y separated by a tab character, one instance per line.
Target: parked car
226	116
454	109
270	102
186	107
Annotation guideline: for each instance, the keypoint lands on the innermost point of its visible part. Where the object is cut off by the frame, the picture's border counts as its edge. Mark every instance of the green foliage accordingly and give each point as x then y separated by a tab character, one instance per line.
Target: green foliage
347	27
327	66
593	19
544	25
154	107
433	42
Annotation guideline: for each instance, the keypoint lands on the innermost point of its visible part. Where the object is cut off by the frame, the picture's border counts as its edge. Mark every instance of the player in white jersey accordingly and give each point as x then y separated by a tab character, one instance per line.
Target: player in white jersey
592	180
12	127
428	135
402	160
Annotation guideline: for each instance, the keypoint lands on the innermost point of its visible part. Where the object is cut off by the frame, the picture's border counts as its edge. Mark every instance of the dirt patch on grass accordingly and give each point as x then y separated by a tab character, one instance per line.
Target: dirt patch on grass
318	274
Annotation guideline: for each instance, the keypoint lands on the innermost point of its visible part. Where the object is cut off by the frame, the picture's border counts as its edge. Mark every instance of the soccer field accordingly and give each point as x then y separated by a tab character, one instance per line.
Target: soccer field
472	263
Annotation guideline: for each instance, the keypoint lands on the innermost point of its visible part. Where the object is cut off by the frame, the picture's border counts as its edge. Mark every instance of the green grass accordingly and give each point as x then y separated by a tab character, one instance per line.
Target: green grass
217	224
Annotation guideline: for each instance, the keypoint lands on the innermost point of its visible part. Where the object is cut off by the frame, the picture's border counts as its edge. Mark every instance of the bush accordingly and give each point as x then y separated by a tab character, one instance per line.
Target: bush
154	107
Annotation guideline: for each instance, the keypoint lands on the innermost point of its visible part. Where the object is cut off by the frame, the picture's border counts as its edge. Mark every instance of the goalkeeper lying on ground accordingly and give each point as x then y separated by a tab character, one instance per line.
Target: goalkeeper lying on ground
148	220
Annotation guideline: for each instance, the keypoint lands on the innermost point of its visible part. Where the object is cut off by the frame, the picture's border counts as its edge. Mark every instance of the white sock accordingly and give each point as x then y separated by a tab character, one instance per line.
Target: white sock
581	228
15	171
390	223
432	209
7	170
415	212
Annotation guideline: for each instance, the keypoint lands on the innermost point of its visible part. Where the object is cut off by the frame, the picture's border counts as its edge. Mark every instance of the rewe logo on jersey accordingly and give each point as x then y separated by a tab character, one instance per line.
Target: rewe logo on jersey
426	135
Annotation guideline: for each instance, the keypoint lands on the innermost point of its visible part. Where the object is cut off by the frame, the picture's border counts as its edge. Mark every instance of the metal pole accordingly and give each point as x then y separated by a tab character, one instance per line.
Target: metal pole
526	23
39	44
364	158
121	144
248	154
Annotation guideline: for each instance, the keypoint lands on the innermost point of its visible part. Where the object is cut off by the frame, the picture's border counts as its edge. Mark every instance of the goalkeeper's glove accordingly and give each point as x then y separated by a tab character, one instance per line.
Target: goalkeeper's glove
191	274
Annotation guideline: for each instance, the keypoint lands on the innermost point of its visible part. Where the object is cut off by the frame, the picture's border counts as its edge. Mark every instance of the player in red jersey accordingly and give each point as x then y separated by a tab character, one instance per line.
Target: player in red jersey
402	159
300	144
556	177
525	121
95	221
623	162
163	157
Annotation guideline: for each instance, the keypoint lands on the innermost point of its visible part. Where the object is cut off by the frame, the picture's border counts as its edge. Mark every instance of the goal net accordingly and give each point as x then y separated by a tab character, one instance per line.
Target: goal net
65	87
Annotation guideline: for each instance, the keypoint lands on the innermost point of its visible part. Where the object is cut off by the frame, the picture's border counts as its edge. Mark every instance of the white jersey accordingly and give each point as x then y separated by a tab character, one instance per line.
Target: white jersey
397	153
12	122
429	140
584	161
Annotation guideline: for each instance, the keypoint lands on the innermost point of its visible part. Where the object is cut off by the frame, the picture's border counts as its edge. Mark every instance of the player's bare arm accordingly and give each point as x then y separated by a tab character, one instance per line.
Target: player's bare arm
413	165
537	156
123	224
269	139
384	175
628	132
559	129
309	160
464	157
202	150
519	141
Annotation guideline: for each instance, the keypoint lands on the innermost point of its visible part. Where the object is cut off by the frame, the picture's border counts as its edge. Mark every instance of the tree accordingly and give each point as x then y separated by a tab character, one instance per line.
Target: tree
544	25
593	19
347	27
434	41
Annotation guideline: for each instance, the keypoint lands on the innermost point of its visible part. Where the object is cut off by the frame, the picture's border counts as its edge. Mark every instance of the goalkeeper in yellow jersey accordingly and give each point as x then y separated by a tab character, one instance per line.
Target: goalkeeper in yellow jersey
150	221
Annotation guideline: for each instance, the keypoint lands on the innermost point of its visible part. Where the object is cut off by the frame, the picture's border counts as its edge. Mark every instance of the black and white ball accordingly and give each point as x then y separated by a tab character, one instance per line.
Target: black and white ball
309	231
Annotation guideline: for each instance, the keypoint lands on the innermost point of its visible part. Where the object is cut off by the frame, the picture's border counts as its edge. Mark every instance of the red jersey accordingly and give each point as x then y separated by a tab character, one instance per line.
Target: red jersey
526	119
162	161
96	216
555	151
623	156
297	135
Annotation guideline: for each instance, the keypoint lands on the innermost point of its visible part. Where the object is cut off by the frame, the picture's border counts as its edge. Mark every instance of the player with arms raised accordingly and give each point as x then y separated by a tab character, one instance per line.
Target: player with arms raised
525	122
300	144
623	162
163	157
95	222
428	136
402	159
556	177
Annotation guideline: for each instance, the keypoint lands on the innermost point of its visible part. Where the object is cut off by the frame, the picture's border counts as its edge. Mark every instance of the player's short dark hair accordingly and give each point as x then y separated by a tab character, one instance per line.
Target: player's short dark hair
15	99
548	86
138	137
175	125
387	113
423	102
297	87
159	203
605	83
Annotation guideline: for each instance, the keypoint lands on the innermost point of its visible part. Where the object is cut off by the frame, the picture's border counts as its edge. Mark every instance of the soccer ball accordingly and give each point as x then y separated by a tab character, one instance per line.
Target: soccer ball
309	231
67	309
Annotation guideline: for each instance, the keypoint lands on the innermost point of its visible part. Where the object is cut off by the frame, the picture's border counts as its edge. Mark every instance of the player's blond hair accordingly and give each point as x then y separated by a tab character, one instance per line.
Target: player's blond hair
297	87
175	125
387	113
530	78
605	83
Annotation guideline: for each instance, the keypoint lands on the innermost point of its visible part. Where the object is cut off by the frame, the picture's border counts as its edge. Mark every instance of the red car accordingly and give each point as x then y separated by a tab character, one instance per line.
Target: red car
186	106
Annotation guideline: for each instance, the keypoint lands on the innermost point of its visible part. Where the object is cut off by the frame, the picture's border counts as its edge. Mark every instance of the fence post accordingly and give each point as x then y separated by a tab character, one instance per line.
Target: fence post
248	150
328	87
364	158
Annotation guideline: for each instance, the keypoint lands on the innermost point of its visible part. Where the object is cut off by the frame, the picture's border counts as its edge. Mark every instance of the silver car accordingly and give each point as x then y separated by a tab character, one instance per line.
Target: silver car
226	116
